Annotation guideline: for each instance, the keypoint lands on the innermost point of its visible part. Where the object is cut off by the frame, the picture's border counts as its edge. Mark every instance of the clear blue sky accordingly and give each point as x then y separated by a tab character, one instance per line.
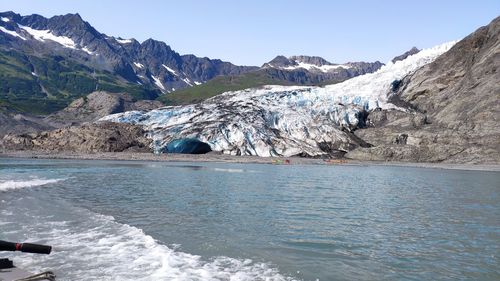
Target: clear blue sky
252	32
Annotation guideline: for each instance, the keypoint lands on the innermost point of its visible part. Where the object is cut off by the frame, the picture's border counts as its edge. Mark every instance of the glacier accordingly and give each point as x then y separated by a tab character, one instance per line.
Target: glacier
281	120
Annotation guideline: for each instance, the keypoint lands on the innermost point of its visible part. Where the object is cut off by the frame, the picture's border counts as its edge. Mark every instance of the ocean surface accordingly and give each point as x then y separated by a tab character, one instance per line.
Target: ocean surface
125	220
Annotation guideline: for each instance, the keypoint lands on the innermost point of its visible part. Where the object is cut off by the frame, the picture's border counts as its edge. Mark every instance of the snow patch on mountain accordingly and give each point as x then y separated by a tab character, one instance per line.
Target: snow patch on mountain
280	120
170	70
123	41
158	82
139	65
42	35
10	32
313	67
5	19
86	50
187	81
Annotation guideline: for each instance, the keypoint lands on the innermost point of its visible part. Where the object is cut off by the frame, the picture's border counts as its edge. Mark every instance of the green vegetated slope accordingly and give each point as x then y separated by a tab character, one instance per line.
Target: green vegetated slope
45	84
223	84
220	85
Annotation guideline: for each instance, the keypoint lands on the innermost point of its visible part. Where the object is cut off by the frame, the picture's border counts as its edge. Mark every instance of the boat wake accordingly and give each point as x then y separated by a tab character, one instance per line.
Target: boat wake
18	184
90	246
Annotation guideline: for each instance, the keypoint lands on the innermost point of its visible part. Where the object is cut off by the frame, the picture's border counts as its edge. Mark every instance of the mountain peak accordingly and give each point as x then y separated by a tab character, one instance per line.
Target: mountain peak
10	15
279	61
406	54
282	61
314	60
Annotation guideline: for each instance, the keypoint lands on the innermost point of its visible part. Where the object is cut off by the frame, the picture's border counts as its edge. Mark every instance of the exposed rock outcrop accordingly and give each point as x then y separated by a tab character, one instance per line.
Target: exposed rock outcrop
87	109
312	70
97	105
88	138
153	63
455	104
16	123
406	54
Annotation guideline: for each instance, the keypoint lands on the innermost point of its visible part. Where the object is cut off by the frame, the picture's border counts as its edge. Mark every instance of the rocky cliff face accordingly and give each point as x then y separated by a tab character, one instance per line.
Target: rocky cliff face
83	110
438	105
16	123
97	105
455	108
406	54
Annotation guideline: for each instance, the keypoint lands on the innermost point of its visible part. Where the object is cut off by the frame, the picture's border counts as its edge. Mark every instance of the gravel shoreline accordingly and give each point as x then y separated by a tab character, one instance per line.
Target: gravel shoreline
223	158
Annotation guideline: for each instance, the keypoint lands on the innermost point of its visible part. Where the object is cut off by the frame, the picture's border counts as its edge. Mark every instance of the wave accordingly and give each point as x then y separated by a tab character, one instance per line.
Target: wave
228	170
99	248
16	184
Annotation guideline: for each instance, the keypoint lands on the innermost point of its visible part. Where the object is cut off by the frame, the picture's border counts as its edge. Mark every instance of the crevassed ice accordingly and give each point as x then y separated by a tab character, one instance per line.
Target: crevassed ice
278	120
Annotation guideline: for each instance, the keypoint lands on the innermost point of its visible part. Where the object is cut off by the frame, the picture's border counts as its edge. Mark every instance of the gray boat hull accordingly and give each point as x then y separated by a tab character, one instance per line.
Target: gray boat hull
10	274
13	274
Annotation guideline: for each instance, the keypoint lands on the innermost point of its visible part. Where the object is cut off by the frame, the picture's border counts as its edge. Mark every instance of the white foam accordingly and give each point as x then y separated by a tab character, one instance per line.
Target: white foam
108	250
228	170
17	184
13	33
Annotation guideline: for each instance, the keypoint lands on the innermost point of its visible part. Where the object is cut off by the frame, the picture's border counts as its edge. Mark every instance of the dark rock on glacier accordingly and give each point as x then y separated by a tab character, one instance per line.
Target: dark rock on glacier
408	53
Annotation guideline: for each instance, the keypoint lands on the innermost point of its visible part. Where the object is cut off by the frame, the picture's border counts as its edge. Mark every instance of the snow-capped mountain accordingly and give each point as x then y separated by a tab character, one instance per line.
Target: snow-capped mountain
151	62
279	120
316	70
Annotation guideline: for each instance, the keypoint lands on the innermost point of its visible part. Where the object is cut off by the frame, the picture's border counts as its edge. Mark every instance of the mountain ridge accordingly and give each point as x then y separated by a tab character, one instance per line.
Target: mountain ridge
78	39
152	64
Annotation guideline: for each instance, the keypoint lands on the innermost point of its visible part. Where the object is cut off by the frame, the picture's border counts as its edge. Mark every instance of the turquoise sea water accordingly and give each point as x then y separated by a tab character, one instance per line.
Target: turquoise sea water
110	220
